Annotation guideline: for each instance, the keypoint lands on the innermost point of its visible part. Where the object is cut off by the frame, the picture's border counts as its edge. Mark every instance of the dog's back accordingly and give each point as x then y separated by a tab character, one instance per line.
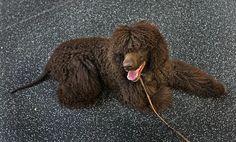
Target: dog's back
65	57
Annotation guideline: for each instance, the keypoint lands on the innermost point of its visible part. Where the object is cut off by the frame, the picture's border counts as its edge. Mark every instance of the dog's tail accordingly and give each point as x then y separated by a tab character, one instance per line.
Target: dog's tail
44	76
194	80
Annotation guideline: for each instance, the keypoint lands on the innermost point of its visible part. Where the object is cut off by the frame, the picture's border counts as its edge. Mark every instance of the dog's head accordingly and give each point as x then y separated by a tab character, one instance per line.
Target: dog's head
138	48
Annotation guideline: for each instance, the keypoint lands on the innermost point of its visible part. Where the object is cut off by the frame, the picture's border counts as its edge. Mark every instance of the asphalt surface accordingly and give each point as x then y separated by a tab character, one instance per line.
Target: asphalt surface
202	33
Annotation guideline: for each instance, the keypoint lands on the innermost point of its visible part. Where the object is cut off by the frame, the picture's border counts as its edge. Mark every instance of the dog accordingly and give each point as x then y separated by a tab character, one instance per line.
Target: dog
85	67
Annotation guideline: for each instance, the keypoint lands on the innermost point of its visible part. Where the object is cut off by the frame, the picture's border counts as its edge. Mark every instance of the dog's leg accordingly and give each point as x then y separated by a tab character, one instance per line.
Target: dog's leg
162	99
195	80
82	86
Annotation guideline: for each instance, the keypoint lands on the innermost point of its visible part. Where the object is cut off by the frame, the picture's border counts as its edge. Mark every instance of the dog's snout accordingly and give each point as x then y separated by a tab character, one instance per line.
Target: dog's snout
131	61
128	64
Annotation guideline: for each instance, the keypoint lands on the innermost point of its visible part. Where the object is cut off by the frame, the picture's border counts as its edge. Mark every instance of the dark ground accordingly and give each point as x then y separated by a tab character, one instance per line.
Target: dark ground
202	33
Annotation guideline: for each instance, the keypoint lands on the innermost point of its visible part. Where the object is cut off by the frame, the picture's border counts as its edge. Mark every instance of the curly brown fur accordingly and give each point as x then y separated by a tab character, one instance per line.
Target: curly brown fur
86	66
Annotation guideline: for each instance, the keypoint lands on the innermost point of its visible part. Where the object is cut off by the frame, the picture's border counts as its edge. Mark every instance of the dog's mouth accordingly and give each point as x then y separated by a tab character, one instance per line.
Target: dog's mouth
134	75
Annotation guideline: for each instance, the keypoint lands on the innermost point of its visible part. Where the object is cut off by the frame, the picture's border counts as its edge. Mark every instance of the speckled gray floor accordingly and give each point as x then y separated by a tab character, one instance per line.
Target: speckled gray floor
202	33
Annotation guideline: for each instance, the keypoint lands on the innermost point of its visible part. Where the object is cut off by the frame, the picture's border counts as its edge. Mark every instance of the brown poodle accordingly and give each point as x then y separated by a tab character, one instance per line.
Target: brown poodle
86	66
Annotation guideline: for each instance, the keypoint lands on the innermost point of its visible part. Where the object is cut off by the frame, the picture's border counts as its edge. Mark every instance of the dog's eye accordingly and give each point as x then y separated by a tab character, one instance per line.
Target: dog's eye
119	57
142	53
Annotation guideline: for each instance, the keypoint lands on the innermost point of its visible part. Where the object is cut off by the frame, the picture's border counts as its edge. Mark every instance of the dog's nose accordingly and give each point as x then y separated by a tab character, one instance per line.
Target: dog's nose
128	65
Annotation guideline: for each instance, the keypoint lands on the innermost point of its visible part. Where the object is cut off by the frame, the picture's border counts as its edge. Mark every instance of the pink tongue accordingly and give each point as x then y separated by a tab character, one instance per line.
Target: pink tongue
132	75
